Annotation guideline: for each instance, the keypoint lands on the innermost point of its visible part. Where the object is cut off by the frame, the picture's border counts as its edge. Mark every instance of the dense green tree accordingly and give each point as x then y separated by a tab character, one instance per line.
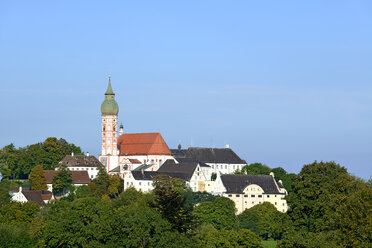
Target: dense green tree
18	213
219	213
18	163
194	198
100	185
354	219
5	198
227	238
92	222
265	220
62	181
281	174
171	203
37	178
12	236
255	169
82	192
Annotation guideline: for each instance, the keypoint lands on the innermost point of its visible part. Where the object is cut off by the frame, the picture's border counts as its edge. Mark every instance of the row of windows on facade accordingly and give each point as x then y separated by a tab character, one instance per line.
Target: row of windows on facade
139	183
252	196
221	166
104	141
114	120
108	128
86	169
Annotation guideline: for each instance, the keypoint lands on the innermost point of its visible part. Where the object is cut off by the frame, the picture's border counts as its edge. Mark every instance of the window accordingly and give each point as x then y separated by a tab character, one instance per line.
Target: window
275	195
276	203
160	162
259	196
91	176
148	183
253	203
225	166
234	167
91	168
245	195
139	183
144	161
113	128
229	195
268	196
216	166
283	204
237	195
152	161
103	141
253	196
104	128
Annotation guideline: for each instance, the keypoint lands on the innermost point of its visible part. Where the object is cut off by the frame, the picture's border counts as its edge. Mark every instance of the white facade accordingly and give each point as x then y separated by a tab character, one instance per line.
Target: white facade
17	196
225	168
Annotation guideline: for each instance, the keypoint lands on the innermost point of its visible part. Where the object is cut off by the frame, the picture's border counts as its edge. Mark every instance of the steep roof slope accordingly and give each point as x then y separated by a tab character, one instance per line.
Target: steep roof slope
237	183
80	160
213	155
142	144
77	176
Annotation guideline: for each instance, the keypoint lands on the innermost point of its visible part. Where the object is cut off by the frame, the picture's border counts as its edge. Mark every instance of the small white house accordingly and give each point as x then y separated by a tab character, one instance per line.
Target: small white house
24	194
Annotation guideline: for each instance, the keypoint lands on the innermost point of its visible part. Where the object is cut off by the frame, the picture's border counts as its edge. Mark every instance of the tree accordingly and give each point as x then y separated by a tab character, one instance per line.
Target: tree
15	236
37	178
219	213
99	186
171	203
265	220
62	181
228	238
82	192
255	169
194	198
18	213
4	196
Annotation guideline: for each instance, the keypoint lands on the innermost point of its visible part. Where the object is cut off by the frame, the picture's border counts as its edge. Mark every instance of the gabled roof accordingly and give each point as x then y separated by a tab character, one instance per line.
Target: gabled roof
149	175
80	161
213	155
189	160
37	196
280	185
237	183
116	169
143	167
78	177
171	166
142	144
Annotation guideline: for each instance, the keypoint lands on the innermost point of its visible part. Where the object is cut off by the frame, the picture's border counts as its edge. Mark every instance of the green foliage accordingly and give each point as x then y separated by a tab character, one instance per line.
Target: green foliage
213	176
4	196
228	238
18	213
194	198
62	181
354	219
265	220
37	178
255	169
106	186
12	236
269	243
92	222
330	206
82	192
219	213
171	203
18	163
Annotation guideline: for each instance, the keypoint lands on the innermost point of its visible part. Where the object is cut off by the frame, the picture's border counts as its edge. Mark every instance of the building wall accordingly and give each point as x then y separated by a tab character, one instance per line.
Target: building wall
109	133
225	168
92	171
18	196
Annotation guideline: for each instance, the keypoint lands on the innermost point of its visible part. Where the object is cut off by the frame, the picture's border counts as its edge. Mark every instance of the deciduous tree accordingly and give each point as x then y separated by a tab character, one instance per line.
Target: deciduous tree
62	181
37	178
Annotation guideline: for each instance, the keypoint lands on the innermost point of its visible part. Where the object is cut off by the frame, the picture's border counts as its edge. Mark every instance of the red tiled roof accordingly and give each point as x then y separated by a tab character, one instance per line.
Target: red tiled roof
143	144
77	176
134	161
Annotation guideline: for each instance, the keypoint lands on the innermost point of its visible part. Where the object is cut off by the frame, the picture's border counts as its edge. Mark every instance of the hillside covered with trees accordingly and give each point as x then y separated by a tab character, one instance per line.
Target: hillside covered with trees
328	207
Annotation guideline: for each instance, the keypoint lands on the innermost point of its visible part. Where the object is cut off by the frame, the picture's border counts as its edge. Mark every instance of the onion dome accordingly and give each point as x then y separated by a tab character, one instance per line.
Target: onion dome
109	105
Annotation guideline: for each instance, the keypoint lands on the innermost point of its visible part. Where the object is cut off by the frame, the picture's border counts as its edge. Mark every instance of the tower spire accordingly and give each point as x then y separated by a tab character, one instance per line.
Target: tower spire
109	89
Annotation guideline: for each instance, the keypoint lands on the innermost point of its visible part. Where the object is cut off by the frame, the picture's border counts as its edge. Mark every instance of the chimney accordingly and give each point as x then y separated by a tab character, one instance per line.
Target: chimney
87	154
272	174
227	146
20	188
280	181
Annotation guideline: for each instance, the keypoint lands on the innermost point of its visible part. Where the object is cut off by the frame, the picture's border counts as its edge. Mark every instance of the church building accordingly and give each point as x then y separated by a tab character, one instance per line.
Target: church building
128	151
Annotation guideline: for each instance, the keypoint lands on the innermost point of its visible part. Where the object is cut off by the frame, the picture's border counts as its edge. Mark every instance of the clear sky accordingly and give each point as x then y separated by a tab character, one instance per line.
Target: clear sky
283	82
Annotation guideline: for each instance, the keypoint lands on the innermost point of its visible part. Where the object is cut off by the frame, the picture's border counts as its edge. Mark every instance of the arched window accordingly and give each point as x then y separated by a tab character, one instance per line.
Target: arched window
104	128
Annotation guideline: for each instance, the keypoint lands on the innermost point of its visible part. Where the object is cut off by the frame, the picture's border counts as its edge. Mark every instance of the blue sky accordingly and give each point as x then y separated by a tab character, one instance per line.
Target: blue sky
283	82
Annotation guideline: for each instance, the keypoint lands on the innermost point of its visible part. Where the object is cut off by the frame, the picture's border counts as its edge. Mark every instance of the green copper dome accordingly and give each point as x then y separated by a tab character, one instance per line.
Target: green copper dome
109	105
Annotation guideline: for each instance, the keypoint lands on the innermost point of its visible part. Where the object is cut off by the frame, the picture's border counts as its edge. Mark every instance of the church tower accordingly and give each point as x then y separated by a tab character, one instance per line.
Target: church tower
109	128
